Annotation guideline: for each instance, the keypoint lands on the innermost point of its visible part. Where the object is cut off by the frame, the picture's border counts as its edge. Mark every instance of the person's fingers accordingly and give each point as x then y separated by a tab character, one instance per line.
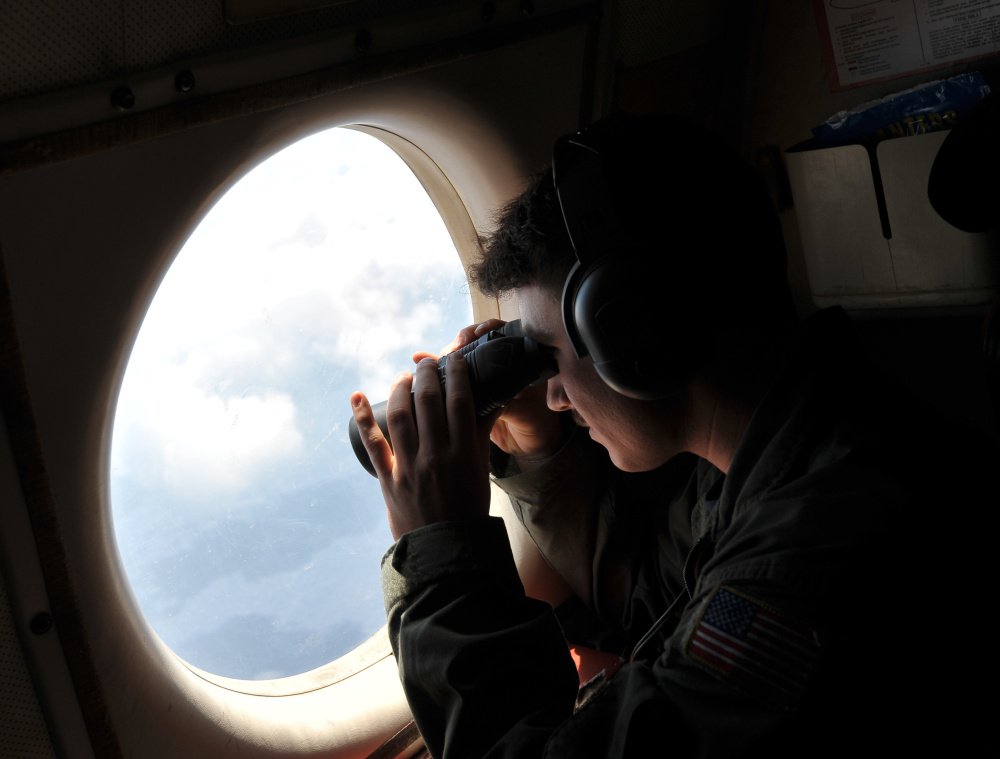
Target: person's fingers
432	429
399	419
460	404
377	447
470	333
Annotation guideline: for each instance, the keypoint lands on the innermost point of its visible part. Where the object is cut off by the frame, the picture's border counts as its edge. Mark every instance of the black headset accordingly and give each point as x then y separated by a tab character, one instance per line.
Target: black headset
624	303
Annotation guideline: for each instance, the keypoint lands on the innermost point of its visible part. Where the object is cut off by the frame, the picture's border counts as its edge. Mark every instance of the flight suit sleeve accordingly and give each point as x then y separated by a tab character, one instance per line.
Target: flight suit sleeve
487	671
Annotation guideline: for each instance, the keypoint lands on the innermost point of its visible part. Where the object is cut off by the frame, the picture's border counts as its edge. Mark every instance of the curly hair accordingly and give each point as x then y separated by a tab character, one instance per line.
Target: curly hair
700	223
530	244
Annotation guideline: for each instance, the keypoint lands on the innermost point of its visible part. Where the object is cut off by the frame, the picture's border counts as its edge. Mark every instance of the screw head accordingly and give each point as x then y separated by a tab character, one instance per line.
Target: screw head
123	98
41	623
184	81
363	41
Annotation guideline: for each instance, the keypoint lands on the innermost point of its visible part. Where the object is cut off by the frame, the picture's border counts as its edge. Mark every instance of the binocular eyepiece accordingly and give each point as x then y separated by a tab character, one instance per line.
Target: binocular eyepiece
501	364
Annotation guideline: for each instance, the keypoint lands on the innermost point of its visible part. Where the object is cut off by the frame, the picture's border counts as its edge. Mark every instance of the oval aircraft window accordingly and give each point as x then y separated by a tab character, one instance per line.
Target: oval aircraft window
248	530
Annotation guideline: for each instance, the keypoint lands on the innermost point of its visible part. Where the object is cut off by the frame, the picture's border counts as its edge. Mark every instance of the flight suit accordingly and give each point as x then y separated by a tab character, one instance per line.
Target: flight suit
818	599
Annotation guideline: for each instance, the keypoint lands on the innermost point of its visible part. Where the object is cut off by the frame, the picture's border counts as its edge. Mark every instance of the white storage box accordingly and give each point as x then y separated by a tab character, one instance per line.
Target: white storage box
924	261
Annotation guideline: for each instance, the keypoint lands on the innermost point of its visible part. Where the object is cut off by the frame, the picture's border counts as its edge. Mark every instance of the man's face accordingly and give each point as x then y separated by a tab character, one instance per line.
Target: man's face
638	435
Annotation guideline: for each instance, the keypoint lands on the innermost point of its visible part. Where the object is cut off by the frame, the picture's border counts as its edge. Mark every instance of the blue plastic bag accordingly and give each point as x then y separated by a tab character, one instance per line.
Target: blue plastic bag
928	107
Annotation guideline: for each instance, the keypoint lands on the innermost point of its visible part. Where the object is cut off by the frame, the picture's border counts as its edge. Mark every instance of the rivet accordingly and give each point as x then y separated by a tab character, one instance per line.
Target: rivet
41	623
184	81
363	41
123	98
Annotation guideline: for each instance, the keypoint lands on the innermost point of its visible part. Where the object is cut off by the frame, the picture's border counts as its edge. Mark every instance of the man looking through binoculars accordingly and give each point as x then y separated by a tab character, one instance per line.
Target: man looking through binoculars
745	511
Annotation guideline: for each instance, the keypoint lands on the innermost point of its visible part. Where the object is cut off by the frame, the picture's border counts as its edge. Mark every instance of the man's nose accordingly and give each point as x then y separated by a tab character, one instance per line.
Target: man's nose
555	395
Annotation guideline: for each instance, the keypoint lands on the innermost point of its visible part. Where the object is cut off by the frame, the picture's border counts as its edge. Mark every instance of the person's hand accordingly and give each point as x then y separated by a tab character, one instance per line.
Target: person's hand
526	428
438	466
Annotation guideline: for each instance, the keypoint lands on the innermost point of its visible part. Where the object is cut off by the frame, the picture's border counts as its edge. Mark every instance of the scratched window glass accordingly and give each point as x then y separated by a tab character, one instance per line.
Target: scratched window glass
248	530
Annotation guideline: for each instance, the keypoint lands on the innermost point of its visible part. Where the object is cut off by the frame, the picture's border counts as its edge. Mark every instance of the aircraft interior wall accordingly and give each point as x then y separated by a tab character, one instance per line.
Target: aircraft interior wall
96	200
935	352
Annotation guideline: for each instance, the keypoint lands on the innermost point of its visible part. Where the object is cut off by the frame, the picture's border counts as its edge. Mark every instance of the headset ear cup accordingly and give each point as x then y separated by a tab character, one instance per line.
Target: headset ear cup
570	288
639	335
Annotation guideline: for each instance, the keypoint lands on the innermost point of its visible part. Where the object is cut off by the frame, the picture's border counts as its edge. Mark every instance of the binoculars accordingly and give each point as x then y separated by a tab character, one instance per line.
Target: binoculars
501	364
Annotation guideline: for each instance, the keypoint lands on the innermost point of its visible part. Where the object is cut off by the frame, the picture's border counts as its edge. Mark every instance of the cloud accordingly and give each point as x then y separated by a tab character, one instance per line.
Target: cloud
245	643
313	276
297	264
321	605
203	445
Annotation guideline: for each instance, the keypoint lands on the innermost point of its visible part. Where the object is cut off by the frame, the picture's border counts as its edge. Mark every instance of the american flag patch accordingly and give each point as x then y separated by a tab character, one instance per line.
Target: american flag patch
755	647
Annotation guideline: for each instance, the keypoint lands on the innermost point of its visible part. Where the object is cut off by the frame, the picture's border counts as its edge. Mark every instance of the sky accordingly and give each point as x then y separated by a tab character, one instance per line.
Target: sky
249	532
